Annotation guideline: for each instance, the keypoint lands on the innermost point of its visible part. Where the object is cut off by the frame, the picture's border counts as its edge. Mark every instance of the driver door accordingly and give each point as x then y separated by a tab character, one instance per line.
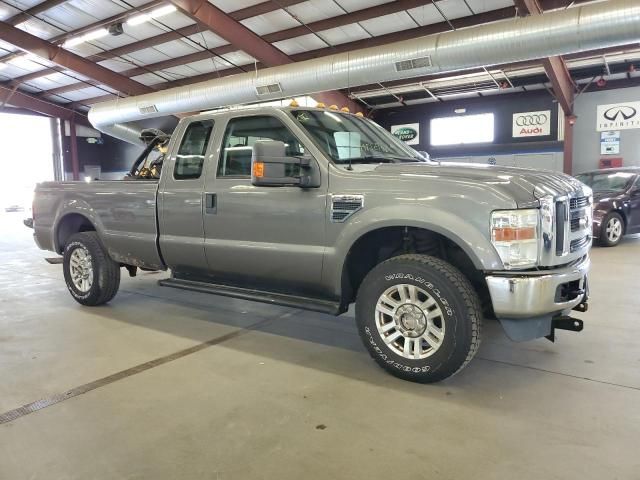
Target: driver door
268	238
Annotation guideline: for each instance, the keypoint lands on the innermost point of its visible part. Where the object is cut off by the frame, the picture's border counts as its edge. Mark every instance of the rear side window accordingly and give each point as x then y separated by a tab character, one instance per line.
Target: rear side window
190	157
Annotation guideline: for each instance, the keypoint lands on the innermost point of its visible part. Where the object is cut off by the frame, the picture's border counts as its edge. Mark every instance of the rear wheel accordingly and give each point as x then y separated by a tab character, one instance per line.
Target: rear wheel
92	277
419	317
611	230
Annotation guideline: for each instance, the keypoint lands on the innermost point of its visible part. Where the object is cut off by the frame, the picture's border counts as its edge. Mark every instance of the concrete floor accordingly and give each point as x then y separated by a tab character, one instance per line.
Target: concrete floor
297	396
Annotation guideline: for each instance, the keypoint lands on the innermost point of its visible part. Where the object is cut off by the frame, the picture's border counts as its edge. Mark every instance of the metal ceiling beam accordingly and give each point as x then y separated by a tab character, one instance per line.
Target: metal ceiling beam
556	69
18	99
242	14
58	39
232	31
34	11
341	20
243	38
58	55
494	15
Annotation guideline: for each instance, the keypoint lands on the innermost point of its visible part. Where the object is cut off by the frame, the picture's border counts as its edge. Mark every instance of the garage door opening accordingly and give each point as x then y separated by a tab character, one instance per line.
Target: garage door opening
26	160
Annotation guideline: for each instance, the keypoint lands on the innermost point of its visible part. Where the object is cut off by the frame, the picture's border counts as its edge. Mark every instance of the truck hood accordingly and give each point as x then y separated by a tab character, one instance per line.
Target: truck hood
524	185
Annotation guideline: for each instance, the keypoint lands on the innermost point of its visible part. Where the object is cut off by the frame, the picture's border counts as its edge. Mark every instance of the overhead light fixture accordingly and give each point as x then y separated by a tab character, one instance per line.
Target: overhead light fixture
460	110
156	13
87	37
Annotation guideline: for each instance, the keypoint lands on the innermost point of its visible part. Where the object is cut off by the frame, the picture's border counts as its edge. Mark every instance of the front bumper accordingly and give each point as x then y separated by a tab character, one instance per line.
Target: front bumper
521	295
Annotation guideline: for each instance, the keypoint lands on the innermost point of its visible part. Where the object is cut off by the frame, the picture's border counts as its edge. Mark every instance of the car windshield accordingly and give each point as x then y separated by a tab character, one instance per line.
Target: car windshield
350	139
608	182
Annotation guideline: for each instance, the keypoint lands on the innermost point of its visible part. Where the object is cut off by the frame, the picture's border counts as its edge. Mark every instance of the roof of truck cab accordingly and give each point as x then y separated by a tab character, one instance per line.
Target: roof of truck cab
257	109
613	170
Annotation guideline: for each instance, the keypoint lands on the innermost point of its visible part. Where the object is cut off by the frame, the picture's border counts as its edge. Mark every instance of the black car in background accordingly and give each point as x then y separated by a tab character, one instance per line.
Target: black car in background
616	203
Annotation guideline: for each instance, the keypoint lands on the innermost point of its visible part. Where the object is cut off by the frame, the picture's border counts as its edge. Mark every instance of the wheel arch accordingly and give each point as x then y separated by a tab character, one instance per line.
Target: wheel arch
69	224
376	245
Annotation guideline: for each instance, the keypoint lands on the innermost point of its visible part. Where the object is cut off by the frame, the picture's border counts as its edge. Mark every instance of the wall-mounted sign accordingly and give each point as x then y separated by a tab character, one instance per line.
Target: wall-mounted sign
409	133
610	143
618	116
532	124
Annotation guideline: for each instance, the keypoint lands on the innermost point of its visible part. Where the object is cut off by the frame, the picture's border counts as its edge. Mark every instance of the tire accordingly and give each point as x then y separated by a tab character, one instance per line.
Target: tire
611	230
440	337
101	281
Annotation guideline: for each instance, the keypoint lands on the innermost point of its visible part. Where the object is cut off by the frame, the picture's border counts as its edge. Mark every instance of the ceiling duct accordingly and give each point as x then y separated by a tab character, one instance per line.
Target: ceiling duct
573	30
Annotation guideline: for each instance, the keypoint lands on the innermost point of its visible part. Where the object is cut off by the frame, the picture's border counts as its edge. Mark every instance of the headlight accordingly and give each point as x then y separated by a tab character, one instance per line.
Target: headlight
514	234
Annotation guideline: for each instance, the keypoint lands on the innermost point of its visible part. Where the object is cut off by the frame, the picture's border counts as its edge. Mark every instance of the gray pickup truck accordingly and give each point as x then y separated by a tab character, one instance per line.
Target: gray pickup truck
317	209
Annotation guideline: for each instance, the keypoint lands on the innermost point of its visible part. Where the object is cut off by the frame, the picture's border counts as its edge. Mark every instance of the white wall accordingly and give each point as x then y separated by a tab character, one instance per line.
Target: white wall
586	140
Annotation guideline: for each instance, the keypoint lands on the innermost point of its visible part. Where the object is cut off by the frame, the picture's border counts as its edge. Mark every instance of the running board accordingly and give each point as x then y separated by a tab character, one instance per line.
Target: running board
316	305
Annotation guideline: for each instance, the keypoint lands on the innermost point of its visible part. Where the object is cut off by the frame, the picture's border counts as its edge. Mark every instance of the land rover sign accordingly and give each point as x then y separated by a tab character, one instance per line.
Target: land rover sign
408	133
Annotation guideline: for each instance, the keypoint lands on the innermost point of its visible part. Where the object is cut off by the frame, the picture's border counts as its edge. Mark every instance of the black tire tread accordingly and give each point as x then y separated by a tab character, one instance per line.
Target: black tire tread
468	295
111	268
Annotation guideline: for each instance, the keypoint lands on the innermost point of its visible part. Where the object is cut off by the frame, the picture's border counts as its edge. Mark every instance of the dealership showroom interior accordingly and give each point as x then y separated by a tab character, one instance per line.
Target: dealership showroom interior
319	239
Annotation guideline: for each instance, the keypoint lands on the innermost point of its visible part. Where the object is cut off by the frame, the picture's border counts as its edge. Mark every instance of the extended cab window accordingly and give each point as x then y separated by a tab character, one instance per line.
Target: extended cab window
242	133
190	157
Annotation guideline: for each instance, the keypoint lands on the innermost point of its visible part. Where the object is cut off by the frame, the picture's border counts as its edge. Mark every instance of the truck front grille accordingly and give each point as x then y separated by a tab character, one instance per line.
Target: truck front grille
578	202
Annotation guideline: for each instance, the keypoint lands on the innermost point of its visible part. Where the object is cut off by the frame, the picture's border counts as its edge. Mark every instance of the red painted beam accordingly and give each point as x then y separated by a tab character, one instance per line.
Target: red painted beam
242	14
20	99
58	55
232	31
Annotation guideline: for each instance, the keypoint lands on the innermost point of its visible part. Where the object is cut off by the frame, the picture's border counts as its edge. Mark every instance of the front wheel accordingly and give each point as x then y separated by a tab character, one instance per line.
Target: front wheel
611	230
419	318
92	277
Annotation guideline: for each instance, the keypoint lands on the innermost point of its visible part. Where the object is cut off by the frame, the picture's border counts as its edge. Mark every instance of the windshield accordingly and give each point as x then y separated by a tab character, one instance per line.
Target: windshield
608	182
350	139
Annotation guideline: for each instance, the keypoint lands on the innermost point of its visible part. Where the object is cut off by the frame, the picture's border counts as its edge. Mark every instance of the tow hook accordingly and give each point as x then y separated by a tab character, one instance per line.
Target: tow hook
564	322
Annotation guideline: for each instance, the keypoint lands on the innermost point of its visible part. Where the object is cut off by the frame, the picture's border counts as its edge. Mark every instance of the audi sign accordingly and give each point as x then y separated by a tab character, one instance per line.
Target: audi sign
532	124
618	116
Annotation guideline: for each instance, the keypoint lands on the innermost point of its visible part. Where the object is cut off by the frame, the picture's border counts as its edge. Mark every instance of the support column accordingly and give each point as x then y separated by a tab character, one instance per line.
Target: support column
73	147
569	120
56	149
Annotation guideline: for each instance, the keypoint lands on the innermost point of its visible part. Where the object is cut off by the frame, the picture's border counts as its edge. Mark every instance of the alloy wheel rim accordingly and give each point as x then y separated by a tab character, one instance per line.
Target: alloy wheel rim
614	229
410	321
81	269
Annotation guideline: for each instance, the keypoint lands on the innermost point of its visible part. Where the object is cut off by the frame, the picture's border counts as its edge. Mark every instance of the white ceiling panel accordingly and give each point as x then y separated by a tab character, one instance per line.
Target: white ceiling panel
7	11
6	47
233	5
208	39
45	83
173	20
270	22
177	48
26	88
144	30
426	15
238	58
300	44
60	78
388	23
353	5
315	10
25	4
181	71
479	6
76	14
110	42
204	66
454	9
88	92
39	29
116	65
149	79
58	99
147	56
85	49
348	33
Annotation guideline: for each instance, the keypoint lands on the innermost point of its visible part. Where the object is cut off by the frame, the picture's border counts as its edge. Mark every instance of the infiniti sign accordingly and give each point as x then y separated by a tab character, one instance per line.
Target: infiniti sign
618	116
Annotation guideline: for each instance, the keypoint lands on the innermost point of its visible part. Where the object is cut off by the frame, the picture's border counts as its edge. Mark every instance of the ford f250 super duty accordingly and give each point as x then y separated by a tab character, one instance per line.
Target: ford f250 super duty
317	209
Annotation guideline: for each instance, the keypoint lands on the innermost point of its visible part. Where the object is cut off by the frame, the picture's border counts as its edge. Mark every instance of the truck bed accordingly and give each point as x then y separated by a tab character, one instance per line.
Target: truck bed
123	212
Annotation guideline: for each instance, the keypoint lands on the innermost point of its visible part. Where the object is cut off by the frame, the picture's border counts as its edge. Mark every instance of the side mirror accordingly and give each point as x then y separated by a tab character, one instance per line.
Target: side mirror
424	154
270	167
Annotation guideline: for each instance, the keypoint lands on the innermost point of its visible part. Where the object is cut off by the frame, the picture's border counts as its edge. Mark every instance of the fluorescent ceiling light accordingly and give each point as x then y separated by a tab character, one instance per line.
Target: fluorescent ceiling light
23	61
87	37
156	13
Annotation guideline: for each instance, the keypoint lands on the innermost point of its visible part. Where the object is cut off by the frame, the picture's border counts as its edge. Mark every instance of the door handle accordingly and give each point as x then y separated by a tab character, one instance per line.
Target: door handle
210	203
